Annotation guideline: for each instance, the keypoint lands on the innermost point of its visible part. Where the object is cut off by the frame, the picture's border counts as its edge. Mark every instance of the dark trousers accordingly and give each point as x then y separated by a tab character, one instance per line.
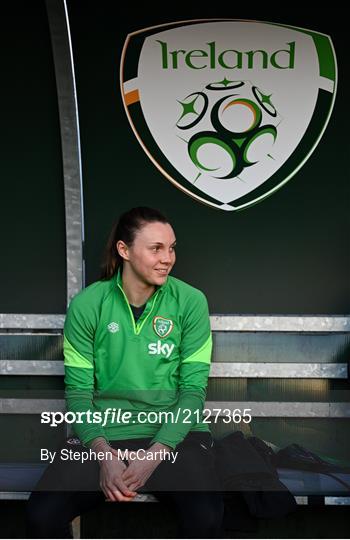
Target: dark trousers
68	489
199	515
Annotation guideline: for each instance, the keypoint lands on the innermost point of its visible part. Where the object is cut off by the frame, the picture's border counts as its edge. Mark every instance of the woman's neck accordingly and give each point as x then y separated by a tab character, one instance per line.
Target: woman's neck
136	291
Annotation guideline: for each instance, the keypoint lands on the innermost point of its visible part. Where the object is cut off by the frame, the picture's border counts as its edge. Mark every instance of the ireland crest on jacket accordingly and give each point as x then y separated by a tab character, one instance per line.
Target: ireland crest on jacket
162	326
228	110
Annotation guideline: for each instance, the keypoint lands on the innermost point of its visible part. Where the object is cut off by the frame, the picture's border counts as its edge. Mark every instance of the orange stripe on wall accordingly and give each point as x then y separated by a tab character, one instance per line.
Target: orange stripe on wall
132	97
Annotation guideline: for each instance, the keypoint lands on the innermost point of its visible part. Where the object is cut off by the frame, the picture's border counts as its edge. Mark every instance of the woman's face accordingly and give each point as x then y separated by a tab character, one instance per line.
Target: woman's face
152	255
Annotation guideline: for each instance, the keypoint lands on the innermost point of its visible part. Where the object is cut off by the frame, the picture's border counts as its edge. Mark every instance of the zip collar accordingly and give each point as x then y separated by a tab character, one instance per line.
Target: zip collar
149	305
119	282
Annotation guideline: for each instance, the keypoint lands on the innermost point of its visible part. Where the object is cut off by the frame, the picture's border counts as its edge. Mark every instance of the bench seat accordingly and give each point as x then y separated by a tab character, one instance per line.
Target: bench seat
22	477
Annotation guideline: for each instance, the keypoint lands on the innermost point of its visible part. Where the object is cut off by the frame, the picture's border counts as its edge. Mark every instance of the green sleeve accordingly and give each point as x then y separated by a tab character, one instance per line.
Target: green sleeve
195	351
79	331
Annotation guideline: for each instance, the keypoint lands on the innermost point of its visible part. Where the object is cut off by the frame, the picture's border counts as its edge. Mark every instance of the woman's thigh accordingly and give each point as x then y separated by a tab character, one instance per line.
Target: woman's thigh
191	469
70	470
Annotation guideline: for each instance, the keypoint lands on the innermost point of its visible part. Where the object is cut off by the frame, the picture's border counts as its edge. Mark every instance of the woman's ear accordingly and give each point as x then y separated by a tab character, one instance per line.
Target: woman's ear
123	250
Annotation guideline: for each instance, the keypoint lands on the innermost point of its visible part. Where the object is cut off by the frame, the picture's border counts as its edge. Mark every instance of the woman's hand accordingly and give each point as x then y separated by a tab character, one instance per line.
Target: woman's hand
111	471
139	471
111	479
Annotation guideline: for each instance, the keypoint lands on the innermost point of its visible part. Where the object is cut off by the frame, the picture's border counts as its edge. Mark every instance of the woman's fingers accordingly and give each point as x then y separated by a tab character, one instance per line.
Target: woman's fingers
132	482
134	486
116	495
110	494
126	490
127	474
119	484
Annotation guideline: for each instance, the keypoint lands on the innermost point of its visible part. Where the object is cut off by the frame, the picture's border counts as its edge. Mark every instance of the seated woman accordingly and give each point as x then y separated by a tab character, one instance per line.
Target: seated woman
137	349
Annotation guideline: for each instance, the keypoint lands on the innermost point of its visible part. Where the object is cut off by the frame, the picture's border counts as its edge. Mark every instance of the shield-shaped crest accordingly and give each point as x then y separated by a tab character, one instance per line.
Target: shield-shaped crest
162	326
228	110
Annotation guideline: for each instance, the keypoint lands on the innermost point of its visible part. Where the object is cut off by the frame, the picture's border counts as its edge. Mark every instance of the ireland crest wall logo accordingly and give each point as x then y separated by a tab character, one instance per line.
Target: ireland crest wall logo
228	110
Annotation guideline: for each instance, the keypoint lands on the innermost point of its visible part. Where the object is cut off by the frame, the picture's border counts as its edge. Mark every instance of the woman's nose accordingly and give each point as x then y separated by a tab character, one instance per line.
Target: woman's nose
166	257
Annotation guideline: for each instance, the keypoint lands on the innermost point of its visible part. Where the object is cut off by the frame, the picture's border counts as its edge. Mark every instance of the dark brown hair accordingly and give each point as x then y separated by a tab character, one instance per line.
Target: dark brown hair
125	229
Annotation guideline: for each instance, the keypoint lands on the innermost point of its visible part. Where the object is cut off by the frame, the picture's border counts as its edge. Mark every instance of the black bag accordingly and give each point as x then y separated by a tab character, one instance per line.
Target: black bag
297	457
242	468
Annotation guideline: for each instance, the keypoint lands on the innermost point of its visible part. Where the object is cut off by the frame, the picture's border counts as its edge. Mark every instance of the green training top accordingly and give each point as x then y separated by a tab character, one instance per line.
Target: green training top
161	363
